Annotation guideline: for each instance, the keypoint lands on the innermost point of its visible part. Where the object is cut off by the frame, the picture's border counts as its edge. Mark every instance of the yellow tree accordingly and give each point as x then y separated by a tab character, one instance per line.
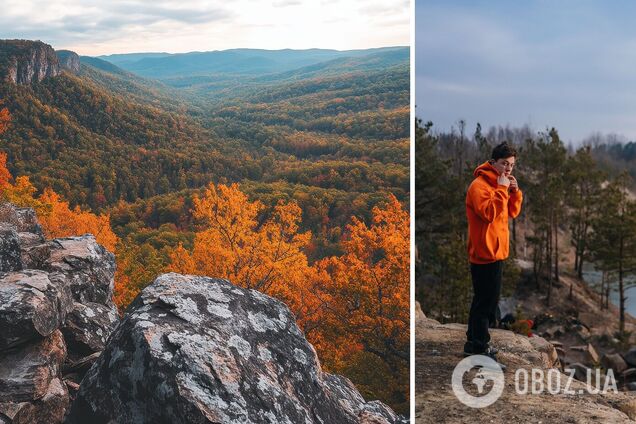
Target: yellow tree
5	176
59	220
251	247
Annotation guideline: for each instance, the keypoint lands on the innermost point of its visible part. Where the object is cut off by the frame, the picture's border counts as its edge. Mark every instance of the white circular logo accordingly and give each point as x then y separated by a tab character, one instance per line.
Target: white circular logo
487	370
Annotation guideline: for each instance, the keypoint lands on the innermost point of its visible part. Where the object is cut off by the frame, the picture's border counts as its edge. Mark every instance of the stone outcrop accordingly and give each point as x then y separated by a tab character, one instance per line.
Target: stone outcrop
26	62
10	257
56	313
31	389
200	350
630	357
189	349
33	304
615	362
439	349
69	60
88	267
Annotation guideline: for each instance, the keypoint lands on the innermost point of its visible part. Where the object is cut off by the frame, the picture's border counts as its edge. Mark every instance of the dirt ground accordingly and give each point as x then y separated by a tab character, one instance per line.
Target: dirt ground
438	350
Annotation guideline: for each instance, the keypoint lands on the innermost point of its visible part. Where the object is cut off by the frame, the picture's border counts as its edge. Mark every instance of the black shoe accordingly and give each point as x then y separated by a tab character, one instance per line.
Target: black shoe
492	354
469	349
493	350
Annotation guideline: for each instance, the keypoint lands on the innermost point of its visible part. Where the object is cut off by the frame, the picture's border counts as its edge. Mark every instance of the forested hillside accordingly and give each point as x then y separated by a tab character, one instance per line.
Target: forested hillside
578	212
308	175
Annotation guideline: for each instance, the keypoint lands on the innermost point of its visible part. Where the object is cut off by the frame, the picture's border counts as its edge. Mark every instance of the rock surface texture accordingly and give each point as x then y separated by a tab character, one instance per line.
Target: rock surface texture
188	350
56	313
438	349
200	350
69	60
28	61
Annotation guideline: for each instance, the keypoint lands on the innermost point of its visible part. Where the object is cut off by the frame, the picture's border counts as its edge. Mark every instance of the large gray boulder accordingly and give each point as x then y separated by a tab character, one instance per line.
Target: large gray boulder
48	409
200	350
630	357
614	362
33	304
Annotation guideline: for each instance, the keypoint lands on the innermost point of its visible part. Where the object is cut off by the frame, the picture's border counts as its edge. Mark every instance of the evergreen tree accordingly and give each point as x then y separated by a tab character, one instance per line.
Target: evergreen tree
613	243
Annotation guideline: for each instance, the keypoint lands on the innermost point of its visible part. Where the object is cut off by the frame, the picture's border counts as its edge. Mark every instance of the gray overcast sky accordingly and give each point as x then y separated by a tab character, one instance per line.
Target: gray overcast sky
94	27
568	64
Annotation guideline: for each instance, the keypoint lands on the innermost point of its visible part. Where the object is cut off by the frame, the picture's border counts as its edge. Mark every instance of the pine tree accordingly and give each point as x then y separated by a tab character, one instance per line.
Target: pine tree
613	243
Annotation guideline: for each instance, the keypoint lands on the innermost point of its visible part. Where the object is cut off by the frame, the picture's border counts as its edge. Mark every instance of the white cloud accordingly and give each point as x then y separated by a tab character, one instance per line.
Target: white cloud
96	27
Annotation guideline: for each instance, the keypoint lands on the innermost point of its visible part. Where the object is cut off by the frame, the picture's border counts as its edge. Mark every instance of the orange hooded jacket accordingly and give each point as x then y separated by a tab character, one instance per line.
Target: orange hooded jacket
488	206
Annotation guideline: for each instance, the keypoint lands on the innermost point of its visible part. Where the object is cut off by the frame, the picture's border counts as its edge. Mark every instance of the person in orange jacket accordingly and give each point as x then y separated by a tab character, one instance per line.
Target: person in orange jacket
492	198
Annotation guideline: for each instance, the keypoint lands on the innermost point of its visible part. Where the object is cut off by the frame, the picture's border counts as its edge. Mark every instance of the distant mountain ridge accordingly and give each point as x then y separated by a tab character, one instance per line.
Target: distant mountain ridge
241	61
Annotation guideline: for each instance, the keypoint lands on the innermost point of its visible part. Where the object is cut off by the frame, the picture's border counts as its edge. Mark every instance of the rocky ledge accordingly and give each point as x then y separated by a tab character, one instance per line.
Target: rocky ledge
56	314
439	349
200	350
189	349
69	60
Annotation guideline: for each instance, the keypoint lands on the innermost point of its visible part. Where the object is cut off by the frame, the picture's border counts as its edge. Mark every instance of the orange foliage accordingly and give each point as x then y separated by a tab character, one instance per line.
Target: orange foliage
5	118
368	294
5	175
253	251
62	221
55	215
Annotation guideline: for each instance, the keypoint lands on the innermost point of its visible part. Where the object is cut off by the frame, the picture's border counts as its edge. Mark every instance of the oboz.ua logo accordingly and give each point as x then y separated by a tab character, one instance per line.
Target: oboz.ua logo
487	381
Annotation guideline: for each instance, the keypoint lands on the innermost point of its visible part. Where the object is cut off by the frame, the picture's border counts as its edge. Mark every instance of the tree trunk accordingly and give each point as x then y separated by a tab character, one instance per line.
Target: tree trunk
582	253
556	248
621	289
549	262
576	259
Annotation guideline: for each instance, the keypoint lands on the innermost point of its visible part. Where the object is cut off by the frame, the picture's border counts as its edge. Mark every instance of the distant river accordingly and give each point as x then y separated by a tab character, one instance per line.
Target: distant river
593	278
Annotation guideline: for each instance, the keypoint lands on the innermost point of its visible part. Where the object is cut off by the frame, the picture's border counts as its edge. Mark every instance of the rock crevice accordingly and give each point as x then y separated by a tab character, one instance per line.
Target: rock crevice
54	317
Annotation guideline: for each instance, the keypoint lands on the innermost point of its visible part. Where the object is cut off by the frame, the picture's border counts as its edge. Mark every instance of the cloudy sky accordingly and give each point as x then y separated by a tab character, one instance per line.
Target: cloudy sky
92	27
568	64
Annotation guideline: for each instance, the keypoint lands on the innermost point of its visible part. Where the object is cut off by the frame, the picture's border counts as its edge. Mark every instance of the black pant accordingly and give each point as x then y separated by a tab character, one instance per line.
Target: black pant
486	288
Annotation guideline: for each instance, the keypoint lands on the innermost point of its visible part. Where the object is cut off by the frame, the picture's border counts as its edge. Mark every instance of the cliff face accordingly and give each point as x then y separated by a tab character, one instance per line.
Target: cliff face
26	62
69	60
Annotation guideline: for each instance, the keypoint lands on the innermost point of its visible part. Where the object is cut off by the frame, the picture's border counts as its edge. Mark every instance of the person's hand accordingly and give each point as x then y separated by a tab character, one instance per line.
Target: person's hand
514	185
503	180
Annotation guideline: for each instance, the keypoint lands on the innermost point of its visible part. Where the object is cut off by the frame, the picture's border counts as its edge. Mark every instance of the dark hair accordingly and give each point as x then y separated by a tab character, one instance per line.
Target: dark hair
503	150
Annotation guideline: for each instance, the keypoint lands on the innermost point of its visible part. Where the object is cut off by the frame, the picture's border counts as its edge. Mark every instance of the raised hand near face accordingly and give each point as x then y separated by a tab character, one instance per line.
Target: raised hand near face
503	180
514	185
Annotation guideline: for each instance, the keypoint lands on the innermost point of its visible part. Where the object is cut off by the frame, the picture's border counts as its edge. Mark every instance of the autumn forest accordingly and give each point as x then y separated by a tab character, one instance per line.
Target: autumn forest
292	181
